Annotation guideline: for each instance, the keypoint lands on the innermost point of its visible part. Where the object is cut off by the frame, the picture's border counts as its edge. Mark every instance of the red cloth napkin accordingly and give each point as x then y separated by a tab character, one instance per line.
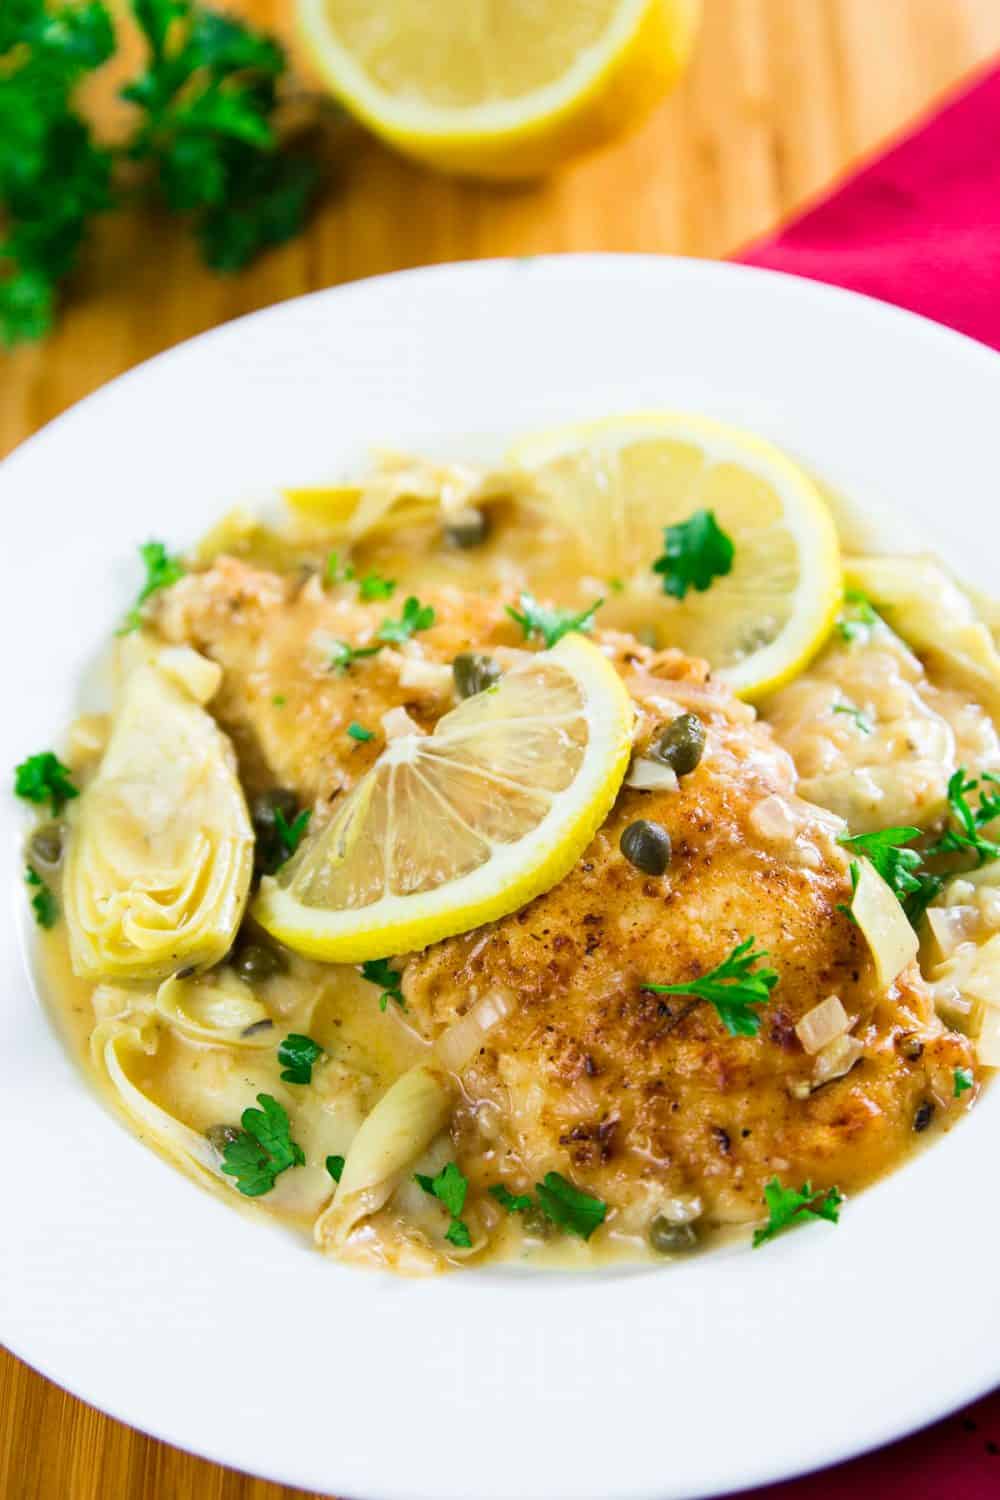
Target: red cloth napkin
920	226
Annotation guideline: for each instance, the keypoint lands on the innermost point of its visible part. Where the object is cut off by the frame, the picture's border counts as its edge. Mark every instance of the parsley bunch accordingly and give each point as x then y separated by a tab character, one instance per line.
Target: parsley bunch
205	139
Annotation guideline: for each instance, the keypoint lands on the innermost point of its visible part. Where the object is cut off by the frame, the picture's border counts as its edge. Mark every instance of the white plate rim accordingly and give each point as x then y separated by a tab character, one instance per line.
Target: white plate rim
379	1472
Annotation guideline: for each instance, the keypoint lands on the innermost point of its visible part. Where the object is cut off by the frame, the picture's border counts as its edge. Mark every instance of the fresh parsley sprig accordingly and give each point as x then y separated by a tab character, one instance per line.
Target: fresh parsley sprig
44	778
380	971
257	1154
290	835
695	553
344	655
734	987
374	586
335	1167
898	866
858	617
550	624
450	1187
786	1208
297	1055
968	836
162	570
415	616
567	1206
360	733
962	1080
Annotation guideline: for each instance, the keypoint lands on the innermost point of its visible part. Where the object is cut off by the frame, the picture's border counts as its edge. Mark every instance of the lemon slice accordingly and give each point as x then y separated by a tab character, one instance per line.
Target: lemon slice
498	90
456	828
616	484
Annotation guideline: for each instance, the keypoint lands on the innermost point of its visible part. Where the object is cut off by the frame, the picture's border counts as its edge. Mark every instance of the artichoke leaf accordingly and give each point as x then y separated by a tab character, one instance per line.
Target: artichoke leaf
217	1008
161	846
392	1137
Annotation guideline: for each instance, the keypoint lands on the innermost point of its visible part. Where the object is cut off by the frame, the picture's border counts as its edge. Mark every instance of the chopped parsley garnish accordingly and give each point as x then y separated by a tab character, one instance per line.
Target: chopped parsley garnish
573	1210
968	836
297	1054
963	1080
290	834
44	778
262	1150
43	902
695	552
337	571
360	733
514	1203
335	1167
856	621
733	987
897	865
551	624
786	1207
279	700
345	655
450	1188
860	718
380	971
374	586
161	571
563	1204
415	616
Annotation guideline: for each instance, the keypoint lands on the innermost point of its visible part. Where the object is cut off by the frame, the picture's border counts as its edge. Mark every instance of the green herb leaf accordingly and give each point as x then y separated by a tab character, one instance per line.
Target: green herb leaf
787	1207
335	1167
161	571
380	971
575	1211
858	617
415	616
449	1187
297	1054
44	778
964	1079
43	902
290	834
551	624
279	700
337	571
514	1203
345	656
262	1150
695	553
733	987
359	733
374	586
967	837
898	866
860	718
855	873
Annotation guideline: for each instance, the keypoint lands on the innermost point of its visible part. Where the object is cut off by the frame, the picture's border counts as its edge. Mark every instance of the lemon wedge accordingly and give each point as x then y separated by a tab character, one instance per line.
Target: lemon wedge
456	828
501	91
616	484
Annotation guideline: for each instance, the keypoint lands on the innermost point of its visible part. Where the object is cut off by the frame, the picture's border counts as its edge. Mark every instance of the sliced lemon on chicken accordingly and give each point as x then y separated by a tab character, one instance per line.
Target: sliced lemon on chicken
456	828
506	90
616	484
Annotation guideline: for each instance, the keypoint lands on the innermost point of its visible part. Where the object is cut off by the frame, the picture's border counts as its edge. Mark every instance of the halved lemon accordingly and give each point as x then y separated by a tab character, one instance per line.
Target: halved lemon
616	484
498	90
456	828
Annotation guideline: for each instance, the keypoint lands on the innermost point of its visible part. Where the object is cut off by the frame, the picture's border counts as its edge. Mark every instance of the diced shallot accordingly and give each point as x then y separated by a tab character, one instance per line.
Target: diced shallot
822	1024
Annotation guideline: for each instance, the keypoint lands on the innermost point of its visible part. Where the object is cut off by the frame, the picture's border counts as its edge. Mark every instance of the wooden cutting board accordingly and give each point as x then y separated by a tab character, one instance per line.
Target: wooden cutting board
783	96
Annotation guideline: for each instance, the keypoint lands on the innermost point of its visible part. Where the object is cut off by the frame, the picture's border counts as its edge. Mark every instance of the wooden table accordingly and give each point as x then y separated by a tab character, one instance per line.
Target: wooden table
783	96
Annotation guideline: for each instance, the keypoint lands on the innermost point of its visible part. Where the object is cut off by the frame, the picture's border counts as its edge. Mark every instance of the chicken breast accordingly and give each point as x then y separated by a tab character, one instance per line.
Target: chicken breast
644	1099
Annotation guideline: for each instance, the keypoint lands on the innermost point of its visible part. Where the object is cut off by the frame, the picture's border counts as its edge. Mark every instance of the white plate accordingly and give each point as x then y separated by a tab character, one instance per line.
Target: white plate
142	1294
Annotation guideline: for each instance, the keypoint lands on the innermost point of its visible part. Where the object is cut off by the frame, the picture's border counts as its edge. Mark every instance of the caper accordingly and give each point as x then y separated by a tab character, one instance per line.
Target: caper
923	1116
221	1136
681	745
277	799
46	844
467	528
535	1223
670	1238
255	963
474	673
911	1047
647	846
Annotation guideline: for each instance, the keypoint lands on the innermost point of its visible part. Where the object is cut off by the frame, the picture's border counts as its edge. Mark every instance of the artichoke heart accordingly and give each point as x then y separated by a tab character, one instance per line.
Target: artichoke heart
161	845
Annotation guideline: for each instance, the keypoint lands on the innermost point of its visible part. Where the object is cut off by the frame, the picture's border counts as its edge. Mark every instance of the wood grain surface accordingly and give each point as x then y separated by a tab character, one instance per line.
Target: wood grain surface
783	97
